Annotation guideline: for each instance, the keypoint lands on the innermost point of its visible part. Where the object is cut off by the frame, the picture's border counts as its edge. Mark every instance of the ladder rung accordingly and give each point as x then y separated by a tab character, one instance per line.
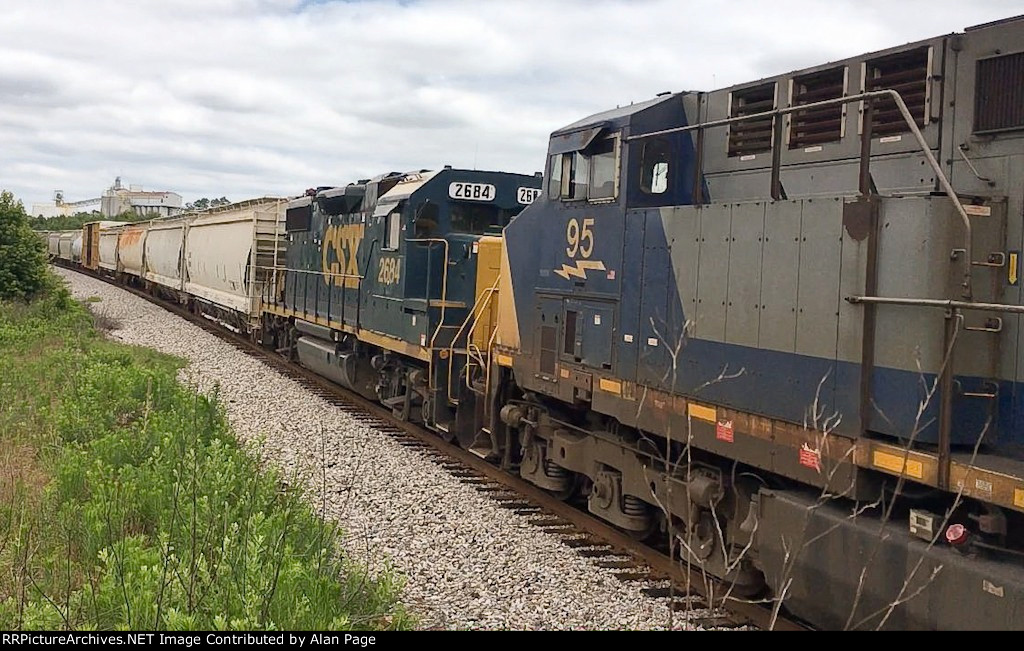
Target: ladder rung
480	452
996	259
993	325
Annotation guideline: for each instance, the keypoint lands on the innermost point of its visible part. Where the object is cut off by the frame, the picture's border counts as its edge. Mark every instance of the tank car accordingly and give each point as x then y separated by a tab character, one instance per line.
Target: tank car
782	319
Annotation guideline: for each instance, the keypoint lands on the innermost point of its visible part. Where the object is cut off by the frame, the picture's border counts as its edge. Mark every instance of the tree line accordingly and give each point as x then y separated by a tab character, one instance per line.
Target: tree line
79	219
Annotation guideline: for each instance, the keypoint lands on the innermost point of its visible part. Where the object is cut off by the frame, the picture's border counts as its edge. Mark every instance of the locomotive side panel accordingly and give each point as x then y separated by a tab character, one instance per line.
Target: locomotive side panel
984	145
820	147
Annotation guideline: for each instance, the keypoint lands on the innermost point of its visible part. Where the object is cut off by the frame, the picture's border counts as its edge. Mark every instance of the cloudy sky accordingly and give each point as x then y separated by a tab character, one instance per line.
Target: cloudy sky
246	98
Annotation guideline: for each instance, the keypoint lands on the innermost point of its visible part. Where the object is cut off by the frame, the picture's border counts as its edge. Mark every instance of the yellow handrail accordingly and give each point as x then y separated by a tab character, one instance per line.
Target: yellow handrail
482	302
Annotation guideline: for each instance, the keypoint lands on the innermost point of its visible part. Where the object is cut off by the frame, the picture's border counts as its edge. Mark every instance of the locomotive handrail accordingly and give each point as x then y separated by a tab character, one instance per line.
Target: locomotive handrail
870	95
331	274
444	283
481	304
327	274
491	292
937	303
444	299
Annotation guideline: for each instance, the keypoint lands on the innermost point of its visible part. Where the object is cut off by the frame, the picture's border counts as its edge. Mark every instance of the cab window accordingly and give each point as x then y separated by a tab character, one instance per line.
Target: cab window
479	218
603	157
655	166
590	174
394	231
569	176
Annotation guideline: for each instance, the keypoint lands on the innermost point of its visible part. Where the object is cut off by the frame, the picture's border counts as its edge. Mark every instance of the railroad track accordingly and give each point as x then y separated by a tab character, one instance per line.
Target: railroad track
687	589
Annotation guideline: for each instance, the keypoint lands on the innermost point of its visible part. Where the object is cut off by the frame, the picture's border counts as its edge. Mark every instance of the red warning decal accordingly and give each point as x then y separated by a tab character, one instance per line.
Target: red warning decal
810	458
723	431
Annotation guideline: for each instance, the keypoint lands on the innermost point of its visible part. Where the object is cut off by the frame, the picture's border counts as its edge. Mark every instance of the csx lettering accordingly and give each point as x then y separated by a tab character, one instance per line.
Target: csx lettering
390	271
579	238
340	254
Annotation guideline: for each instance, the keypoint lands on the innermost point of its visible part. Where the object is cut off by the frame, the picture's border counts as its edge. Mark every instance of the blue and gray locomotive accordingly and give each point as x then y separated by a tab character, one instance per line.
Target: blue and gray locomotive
784	318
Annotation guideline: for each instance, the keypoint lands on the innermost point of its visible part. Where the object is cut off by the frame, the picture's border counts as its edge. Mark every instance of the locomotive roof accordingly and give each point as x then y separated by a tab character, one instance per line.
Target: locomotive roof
403	190
616	114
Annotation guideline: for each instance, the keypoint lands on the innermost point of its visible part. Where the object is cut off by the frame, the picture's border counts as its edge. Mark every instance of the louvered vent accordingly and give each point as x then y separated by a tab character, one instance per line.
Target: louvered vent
548	350
825	123
299	218
906	73
751	136
999	93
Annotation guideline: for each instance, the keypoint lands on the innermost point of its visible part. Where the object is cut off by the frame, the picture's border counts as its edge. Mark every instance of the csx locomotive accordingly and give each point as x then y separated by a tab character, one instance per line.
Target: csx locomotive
779	320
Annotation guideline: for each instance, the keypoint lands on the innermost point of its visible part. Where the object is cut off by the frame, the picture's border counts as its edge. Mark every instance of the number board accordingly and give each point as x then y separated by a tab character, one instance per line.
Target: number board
471	191
526	196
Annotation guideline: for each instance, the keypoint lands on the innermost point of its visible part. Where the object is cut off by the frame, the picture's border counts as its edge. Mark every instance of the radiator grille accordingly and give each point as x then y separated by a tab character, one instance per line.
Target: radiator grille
298	219
822	124
751	136
548	350
999	93
906	73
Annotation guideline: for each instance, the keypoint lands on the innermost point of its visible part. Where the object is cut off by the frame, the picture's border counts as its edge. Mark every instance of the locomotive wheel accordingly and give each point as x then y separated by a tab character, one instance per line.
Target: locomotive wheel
568	492
644	535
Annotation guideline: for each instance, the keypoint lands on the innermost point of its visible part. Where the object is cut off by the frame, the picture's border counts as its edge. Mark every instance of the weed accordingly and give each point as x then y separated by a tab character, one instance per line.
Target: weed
126	502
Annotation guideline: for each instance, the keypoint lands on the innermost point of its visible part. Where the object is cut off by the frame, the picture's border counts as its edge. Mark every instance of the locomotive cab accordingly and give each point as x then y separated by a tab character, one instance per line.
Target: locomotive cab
578	256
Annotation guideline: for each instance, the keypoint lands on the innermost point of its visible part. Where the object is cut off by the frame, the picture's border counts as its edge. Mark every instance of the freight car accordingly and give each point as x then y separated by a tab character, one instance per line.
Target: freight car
91	243
783	318
226	256
215	261
162	255
53	244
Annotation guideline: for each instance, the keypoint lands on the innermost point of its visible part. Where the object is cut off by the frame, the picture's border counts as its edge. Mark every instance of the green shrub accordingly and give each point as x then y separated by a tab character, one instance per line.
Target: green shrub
23	273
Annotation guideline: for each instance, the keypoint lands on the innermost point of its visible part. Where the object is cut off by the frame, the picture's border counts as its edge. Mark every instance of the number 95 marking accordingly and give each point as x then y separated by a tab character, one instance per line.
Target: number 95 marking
579	238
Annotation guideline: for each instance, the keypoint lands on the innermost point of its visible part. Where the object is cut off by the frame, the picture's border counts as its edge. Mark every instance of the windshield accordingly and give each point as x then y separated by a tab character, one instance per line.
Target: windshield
479	219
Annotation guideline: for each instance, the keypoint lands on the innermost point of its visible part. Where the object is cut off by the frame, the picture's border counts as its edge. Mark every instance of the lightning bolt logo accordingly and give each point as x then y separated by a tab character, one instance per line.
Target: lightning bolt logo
579	270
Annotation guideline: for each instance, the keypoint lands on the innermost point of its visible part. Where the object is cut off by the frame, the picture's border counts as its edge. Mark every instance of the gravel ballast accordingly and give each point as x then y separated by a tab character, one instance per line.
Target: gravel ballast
468	563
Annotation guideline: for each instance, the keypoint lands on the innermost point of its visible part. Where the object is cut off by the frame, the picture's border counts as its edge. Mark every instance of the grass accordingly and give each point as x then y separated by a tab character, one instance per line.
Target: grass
125	502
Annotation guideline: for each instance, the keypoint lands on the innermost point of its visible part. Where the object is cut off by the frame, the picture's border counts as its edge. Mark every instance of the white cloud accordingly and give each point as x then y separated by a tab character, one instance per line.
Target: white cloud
252	97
